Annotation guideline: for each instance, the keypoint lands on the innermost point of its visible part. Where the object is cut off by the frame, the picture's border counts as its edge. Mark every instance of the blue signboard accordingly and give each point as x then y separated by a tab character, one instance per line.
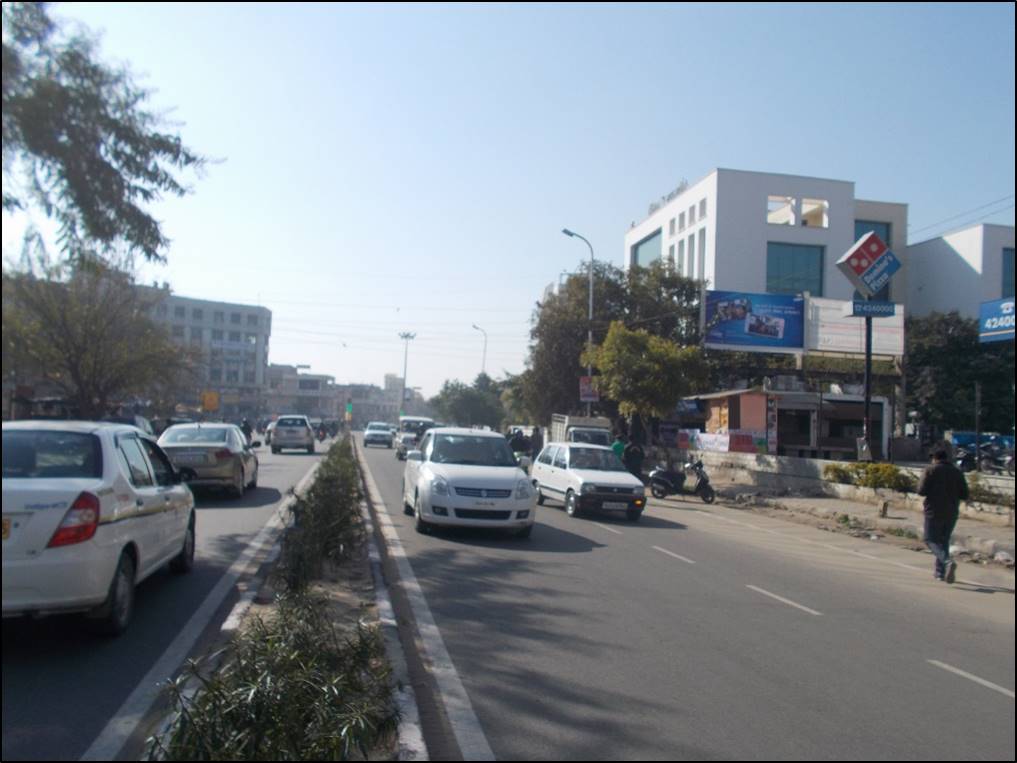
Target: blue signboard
882	270
996	321
871	309
755	322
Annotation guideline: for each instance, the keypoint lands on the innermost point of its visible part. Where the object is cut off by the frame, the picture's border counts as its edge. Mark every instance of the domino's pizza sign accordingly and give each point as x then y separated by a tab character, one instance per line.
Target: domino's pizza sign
869	264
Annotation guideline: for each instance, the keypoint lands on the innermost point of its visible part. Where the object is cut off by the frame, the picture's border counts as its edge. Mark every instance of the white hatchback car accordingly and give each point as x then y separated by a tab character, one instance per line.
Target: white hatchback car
469	478
89	511
587	478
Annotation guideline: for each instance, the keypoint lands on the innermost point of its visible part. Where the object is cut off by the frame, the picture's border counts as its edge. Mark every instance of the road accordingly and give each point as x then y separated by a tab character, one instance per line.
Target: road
62	686
708	632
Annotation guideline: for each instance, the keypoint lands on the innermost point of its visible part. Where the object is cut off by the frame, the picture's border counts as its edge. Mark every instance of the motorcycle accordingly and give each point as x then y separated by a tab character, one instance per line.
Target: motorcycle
994	458
665	482
964	460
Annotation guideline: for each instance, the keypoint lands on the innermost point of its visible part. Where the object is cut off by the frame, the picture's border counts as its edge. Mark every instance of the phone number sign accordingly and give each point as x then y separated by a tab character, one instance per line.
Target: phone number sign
996	321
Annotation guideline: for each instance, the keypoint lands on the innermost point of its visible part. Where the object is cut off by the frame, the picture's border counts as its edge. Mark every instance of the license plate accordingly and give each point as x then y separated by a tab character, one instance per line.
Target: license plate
614	505
7	528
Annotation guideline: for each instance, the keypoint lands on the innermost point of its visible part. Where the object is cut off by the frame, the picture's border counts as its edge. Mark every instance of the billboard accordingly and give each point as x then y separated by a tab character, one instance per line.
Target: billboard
831	328
996	321
755	322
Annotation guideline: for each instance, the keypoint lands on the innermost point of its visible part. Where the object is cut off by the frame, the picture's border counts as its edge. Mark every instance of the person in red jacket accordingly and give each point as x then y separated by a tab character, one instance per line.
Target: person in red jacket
944	487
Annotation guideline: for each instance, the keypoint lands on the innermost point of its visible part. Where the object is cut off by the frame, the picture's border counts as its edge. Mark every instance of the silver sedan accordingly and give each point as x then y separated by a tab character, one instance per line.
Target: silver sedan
218	453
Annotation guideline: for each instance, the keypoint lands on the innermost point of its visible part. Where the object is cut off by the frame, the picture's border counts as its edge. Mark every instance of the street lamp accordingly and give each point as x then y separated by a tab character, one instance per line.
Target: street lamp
483	363
589	368
406	336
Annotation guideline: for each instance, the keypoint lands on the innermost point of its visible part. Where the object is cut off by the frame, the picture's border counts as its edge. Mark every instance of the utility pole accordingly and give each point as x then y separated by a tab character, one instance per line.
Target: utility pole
589	337
406	336
483	362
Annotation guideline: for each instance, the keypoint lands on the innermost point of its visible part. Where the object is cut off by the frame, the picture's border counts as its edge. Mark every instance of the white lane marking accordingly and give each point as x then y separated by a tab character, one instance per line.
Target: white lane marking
609	529
672	553
465	725
785	601
114	736
976	679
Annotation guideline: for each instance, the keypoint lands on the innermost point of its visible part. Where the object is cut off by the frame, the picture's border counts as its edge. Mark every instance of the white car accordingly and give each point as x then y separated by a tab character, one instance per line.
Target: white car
293	432
89	511
469	478
587	477
378	433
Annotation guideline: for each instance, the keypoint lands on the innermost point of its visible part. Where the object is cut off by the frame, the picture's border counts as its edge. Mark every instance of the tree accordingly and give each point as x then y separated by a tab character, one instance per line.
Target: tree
479	405
943	361
647	375
85	329
77	137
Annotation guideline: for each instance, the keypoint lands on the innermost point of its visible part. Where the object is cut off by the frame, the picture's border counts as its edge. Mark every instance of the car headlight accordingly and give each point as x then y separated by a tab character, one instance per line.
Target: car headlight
523	490
587	489
439	486
639	491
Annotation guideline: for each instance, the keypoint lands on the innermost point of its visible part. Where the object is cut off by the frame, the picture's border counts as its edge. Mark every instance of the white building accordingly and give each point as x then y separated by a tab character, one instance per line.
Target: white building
290	390
767	233
960	270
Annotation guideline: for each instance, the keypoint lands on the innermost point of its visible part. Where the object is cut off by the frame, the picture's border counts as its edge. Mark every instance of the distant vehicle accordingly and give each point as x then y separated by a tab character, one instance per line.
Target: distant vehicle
133	420
587	478
378	433
269	429
292	431
218	453
404	444
467	477
416	425
89	511
595	430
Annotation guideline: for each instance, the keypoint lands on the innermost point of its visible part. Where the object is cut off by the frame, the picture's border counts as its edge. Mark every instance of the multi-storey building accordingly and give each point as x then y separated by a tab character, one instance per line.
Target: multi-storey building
234	342
292	391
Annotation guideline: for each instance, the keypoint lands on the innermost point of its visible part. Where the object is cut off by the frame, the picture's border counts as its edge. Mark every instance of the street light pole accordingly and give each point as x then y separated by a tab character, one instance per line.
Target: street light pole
589	336
483	363
406	336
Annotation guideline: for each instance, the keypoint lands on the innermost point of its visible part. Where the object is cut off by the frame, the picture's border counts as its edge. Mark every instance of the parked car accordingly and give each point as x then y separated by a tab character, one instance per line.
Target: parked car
292	432
587	477
404	444
89	511
378	433
218	453
470	478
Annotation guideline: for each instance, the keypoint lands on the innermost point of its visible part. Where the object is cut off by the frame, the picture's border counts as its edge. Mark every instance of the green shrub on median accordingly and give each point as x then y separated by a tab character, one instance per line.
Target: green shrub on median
885	476
294	688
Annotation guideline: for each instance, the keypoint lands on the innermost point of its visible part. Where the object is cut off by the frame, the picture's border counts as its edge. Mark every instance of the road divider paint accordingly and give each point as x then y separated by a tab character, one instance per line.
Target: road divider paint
976	679
673	554
785	601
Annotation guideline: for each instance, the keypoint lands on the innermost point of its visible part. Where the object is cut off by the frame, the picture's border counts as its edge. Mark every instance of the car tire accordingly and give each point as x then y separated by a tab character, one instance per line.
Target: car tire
633	515
184	561
572	504
254	480
116	612
239	483
525	533
540	496
420	525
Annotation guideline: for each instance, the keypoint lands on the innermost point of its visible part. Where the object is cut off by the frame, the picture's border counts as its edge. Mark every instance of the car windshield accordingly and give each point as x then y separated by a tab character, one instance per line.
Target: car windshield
292	423
187	436
596	460
471	450
591	436
379	427
53	455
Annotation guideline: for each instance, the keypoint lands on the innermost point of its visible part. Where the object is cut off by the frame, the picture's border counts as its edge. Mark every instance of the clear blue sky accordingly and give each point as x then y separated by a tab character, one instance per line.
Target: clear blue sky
390	168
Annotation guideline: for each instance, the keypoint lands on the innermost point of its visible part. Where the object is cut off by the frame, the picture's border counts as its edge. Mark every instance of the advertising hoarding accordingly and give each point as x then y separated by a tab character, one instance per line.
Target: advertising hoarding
755	322
829	329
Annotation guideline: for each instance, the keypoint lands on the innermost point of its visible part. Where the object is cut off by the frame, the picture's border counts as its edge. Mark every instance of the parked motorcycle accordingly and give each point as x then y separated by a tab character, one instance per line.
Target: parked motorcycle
964	459
995	459
665	482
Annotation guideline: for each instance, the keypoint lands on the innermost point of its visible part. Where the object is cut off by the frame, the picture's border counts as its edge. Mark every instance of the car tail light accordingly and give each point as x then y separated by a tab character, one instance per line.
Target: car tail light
222	455
80	522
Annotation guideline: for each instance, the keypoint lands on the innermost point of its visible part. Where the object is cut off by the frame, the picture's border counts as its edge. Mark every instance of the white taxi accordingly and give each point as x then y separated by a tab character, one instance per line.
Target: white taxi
89	511
468	478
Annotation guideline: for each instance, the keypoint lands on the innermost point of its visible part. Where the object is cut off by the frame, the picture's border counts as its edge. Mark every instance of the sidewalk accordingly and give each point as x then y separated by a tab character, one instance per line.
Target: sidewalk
972	540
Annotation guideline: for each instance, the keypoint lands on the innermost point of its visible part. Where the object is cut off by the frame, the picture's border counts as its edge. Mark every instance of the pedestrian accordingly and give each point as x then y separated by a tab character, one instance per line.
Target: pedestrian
245	427
634	456
944	487
536	443
618	446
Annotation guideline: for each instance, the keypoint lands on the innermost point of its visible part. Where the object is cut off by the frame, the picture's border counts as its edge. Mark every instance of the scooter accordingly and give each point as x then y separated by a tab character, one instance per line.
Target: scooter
964	459
995	458
665	482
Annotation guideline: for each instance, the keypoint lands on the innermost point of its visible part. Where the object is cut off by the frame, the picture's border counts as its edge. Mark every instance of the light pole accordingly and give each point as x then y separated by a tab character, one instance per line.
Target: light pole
483	363
406	336
589	338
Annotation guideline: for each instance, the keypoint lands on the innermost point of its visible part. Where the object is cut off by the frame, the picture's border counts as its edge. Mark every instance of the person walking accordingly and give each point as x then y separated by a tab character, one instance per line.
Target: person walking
536	444
944	487
618	446
633	457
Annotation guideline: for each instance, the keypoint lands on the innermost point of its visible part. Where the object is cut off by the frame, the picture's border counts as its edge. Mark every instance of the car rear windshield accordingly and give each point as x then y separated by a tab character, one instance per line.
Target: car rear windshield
215	436
381	427
51	455
292	423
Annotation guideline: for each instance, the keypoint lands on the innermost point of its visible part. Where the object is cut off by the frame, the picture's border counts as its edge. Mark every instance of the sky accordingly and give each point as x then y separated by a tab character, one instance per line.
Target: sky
388	168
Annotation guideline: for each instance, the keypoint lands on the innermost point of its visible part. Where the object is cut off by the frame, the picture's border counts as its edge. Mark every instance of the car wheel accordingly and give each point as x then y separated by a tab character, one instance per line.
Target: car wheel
254	480
572	504
526	532
633	515
237	488
184	561
115	614
421	526
540	497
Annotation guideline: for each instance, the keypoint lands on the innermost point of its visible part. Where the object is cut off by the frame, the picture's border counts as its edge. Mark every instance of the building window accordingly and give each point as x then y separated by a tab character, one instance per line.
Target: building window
219	316
681	222
648	250
670	229
702	254
235	318
235	336
233	376
692	215
249	377
702	209
179	312
780	210
216	335
1008	273
815	213
670	256
794	268
196	333
197	314
681	257
252	320
692	256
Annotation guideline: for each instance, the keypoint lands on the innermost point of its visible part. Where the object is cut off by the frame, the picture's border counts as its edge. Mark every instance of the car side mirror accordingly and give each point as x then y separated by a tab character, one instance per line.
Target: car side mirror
415	455
186	474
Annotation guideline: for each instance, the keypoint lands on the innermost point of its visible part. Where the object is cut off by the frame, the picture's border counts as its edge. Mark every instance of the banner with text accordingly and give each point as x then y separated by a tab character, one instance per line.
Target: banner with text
755	322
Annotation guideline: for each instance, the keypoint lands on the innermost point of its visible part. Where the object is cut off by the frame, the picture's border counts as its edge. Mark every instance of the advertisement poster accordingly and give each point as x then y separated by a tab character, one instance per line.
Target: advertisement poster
755	322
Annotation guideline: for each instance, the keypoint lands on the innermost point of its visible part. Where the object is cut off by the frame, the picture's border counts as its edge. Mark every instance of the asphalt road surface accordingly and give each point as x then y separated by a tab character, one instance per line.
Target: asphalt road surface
712	633
62	686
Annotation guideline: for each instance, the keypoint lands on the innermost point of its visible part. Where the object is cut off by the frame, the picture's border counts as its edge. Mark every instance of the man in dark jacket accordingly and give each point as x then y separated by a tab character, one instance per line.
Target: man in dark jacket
944	487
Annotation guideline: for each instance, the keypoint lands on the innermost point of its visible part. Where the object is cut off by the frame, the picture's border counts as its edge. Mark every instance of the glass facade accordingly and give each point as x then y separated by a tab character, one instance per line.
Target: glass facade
794	268
648	250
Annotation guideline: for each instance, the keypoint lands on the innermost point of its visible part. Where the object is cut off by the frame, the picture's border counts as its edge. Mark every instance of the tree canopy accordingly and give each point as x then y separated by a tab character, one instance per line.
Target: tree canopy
79	144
